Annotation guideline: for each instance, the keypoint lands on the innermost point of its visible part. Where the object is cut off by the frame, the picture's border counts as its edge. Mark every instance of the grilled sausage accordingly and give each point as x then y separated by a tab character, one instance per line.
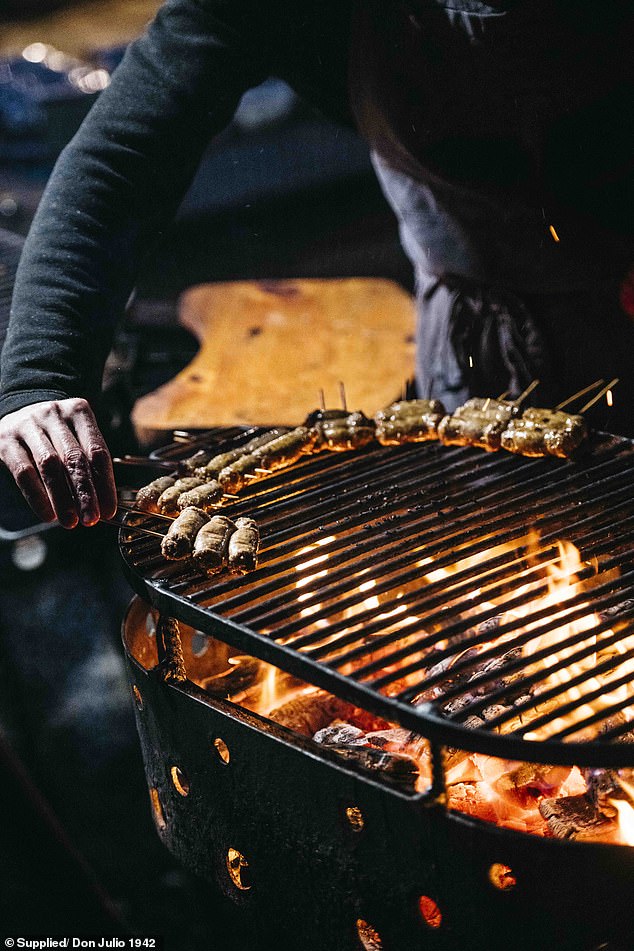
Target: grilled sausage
215	464
168	500
286	449
233	477
204	496
409	421
339	434
148	496
545	432
211	544
479	422
243	546
179	540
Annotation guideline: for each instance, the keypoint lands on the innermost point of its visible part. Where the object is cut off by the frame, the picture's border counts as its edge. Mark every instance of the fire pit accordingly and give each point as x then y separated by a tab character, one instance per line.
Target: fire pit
435	750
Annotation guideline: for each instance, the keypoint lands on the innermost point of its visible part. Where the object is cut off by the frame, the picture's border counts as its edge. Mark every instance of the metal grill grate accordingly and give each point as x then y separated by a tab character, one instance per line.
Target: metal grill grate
396	578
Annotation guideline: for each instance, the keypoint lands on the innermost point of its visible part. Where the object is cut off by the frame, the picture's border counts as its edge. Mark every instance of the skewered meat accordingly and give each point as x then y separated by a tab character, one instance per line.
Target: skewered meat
243	546
148	496
204	496
341	433
408	421
480	422
234	476
180	537
286	449
279	453
212	542
544	432
168	500
215	464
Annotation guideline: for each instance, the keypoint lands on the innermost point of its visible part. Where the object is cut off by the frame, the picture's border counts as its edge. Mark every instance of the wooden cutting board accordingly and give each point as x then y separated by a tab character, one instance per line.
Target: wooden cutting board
267	348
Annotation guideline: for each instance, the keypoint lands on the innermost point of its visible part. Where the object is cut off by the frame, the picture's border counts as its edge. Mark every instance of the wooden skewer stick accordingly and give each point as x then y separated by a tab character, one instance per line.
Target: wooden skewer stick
322	400
263	471
602	392
342	396
527	392
575	396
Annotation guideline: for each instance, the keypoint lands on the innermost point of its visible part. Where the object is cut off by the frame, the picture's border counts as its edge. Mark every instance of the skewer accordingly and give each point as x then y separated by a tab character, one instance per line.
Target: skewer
342	396
134	511
575	396
146	461
322	400
262	472
130	528
527	392
602	392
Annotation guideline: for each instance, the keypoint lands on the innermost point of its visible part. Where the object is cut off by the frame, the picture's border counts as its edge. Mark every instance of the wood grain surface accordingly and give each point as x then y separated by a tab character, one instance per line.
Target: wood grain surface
266	349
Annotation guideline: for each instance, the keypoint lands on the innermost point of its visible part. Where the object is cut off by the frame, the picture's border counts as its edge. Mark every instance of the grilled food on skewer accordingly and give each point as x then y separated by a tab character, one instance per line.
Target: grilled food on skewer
205	496
179	540
479	422
279	453
210	549
544	432
340	431
167	502
243	546
215	464
147	497
409	421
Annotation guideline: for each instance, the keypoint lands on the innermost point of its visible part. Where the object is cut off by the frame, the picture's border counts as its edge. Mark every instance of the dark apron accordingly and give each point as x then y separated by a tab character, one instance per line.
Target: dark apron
476	116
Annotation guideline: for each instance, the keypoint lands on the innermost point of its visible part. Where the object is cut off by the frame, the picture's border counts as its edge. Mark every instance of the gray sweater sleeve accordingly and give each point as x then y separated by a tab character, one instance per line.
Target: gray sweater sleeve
115	185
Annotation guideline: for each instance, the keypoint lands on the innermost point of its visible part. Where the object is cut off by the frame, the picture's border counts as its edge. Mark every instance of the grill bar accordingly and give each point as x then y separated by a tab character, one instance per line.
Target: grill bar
395	518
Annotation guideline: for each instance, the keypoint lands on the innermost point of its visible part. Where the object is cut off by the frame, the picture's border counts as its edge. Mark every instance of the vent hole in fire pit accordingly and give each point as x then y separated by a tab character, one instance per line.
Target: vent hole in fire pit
180	780
138	699
238	869
355	818
200	644
501	877
157	809
430	912
368	936
222	750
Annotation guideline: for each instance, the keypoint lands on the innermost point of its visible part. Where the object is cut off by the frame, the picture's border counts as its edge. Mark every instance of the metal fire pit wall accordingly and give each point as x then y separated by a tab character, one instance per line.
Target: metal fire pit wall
281	802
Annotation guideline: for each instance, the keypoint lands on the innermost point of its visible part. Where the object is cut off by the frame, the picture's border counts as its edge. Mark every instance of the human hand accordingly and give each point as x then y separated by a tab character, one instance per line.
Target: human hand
59	459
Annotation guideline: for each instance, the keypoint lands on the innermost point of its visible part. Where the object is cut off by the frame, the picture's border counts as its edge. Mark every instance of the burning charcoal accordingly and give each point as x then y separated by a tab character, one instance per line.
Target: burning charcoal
613	612
574	817
458	703
310	712
340	734
241	673
474	723
396	737
495	710
396	768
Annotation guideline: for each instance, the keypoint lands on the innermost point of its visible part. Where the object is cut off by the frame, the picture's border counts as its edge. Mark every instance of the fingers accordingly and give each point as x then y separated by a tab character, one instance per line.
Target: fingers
60	461
19	462
52	473
96	452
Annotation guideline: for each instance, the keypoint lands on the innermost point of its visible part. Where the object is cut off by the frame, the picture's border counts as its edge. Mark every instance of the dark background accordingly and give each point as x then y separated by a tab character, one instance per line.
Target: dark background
280	194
